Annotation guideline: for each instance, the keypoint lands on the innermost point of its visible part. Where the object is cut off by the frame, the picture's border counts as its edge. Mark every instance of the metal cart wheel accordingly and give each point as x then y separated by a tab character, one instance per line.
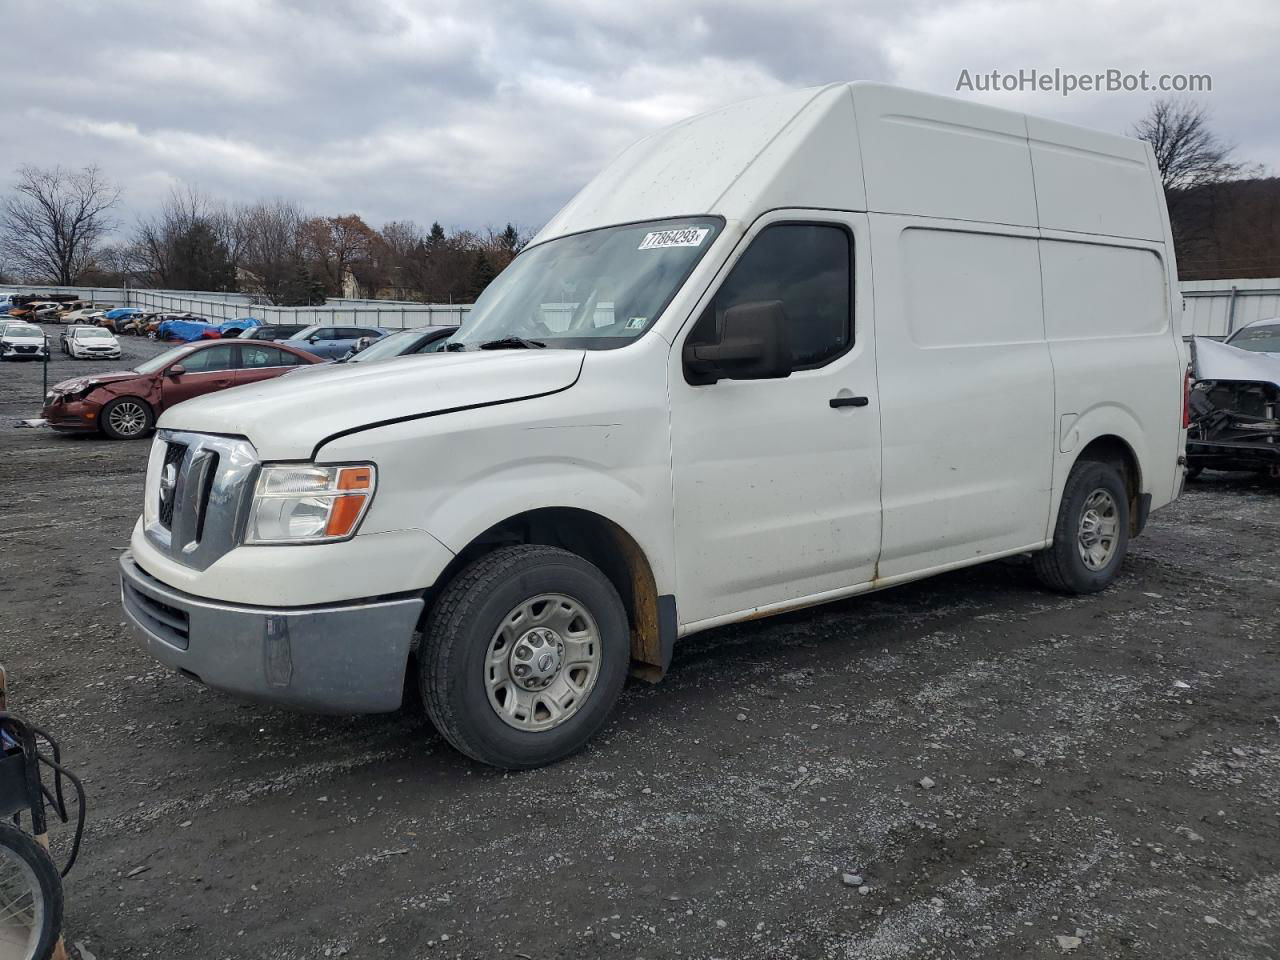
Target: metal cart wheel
30	898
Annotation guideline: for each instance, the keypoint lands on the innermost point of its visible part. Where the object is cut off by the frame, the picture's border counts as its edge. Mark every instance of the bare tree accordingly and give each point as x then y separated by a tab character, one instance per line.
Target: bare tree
1188	153
267	245
51	226
187	245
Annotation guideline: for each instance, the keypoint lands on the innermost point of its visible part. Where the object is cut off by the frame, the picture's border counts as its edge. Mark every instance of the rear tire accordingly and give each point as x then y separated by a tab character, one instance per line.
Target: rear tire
1091	536
126	418
524	655
30	893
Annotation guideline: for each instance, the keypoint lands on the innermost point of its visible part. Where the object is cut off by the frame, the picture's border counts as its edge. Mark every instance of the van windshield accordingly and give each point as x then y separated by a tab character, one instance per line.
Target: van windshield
596	290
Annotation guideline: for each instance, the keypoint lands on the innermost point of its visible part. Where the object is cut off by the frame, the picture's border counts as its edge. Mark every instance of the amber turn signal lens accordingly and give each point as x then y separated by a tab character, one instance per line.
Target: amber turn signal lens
343	516
347	509
355	478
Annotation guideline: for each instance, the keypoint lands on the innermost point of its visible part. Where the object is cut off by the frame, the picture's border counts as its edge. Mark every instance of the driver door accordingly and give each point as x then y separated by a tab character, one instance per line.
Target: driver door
204	371
777	481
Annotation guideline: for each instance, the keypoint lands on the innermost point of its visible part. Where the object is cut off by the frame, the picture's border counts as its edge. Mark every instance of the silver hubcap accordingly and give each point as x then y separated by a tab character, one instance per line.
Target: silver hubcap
1099	530
127	418
542	662
21	907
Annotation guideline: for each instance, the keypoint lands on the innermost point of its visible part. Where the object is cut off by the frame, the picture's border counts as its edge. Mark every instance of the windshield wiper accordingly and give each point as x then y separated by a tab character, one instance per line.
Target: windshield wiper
508	343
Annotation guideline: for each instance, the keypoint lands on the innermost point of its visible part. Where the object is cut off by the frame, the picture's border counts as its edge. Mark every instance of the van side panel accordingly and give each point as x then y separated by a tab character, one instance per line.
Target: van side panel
966	391
1114	352
937	157
1091	182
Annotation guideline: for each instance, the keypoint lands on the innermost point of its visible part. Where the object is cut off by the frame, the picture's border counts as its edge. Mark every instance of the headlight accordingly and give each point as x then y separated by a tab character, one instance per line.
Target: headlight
309	504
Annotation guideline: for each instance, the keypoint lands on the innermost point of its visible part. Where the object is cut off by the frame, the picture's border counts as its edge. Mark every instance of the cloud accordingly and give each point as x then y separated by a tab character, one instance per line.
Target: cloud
478	113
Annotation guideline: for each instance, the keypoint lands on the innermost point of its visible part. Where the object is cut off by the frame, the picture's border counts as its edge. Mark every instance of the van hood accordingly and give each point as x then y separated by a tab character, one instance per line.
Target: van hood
288	417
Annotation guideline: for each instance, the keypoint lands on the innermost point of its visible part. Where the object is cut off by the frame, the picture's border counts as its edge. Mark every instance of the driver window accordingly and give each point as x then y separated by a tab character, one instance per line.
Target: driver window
208	361
808	267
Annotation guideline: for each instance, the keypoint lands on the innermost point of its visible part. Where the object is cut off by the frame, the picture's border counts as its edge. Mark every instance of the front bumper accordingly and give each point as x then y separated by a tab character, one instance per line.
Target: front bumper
76	415
348	658
1232	454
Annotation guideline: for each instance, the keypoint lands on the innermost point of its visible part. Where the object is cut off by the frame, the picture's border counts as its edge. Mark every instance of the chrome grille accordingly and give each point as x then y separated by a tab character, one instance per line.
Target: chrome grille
174	454
198	494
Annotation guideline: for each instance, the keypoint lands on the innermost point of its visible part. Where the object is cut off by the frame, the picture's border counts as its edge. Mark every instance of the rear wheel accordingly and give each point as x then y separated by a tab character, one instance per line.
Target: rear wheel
30	897
524	656
126	418
1091	536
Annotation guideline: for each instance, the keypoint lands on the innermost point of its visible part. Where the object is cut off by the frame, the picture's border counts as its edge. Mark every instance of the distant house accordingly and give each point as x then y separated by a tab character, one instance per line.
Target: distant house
350	286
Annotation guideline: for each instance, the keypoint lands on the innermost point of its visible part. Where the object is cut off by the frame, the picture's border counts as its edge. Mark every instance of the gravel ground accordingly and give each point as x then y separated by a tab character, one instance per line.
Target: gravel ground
1102	774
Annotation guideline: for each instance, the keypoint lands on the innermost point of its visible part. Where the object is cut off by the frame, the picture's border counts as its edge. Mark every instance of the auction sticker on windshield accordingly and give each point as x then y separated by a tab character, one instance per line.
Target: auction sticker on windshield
680	237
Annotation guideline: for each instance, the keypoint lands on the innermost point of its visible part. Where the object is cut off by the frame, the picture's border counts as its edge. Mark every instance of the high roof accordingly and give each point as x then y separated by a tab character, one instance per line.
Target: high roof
865	146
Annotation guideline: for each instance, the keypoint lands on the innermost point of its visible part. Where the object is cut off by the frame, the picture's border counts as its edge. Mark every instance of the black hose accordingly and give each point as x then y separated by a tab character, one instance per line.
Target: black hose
62	771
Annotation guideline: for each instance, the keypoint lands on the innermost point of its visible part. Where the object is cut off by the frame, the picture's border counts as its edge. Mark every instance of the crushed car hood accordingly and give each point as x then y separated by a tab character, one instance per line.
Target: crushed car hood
288	417
75	383
1221	361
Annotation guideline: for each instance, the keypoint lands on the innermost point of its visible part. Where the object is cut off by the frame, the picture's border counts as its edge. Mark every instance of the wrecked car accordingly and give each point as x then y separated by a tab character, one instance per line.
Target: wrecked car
1234	405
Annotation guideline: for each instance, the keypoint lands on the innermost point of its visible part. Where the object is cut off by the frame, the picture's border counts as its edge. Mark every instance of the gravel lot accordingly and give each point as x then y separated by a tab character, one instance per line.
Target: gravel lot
1105	771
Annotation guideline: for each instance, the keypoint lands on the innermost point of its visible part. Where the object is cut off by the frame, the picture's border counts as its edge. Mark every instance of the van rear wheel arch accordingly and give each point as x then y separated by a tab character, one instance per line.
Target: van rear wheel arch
1116	451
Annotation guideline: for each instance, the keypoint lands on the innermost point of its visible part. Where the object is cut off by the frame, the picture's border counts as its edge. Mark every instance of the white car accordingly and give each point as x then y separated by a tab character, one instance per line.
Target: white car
91	343
795	350
23	341
85	315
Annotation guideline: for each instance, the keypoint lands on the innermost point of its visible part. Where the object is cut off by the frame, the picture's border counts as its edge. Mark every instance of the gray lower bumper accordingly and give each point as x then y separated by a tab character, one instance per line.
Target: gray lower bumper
341	659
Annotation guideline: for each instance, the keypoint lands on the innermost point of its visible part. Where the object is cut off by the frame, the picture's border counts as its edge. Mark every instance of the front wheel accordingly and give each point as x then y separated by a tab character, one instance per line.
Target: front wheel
30	897
1091	537
524	655
126	418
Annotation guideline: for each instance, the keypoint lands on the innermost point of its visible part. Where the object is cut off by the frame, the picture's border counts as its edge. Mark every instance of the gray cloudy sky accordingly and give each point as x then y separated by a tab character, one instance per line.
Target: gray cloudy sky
474	112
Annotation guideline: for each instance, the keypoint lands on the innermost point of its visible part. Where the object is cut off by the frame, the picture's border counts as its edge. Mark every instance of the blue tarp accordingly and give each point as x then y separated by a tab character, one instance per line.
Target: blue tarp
185	330
119	312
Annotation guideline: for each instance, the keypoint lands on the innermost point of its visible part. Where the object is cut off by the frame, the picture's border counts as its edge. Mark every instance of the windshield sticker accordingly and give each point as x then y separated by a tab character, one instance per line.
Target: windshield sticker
636	323
681	237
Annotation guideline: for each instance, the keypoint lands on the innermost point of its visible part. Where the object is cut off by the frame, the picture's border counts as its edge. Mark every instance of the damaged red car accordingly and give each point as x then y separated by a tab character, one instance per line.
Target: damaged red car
125	406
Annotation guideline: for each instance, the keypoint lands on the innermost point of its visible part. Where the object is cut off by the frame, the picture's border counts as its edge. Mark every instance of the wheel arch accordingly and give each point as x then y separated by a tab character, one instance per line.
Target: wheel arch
1115	450
607	545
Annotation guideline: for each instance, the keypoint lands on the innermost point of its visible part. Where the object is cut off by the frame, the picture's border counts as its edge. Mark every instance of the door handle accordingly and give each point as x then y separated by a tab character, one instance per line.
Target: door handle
837	402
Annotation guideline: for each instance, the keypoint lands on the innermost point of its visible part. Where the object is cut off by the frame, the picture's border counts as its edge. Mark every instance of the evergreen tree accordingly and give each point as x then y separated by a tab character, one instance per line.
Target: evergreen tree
482	274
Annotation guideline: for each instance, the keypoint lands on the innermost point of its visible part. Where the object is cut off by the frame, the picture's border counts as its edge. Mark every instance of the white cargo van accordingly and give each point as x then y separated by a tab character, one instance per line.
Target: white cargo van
793	350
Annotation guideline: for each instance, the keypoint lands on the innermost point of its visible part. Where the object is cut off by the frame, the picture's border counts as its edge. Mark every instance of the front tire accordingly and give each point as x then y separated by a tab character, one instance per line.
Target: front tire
1091	537
126	418
524	655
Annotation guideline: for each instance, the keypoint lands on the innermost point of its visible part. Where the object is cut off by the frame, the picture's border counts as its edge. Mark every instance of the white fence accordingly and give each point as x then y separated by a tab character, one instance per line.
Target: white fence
1216	308
220	307
375	313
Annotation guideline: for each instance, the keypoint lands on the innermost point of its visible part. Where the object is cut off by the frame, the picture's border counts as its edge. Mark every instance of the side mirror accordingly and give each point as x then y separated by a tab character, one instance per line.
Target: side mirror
362	344
176	370
314	338
755	344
